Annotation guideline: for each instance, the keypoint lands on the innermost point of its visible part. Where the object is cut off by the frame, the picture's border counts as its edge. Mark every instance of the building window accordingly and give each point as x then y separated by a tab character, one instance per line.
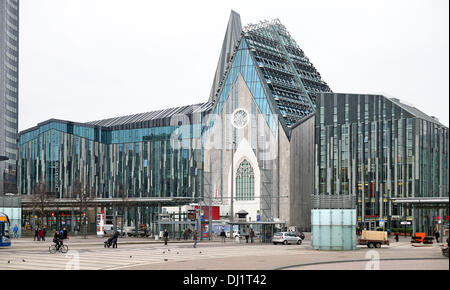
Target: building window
245	182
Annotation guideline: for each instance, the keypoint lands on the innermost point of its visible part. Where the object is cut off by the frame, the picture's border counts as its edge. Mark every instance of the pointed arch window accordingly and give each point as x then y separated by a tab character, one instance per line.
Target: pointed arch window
245	182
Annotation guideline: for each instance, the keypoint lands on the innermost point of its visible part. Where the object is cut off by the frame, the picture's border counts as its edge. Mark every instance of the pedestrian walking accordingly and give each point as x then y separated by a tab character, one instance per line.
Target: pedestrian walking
223	235
186	234
65	236
246	236
396	237
15	230
166	236
36	234
252	235
114	239
41	235
195	239
436	234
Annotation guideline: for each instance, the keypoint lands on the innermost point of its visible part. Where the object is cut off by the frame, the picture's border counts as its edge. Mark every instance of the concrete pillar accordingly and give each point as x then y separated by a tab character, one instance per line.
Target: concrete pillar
150	219
136	220
159	219
72	220
115	218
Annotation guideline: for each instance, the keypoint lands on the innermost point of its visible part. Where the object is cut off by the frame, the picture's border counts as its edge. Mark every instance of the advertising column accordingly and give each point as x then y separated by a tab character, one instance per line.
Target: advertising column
100	224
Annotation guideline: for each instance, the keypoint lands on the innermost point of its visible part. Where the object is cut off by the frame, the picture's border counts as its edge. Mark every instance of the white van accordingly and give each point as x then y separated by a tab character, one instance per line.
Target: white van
108	229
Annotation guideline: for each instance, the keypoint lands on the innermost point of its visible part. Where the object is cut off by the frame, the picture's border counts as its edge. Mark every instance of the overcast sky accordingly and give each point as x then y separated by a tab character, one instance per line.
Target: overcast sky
85	60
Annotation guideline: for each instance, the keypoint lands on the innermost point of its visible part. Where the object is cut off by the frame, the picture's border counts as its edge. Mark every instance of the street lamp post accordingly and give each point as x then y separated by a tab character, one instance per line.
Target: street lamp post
210	220
232	184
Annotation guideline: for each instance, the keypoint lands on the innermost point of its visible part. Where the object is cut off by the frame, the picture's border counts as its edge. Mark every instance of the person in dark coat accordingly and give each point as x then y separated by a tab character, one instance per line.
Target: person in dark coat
223	235
57	240
396	237
166	236
36	234
64	237
436	234
114	239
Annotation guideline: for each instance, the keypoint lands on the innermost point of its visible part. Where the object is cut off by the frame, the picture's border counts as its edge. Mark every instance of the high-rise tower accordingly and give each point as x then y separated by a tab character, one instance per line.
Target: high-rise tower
9	87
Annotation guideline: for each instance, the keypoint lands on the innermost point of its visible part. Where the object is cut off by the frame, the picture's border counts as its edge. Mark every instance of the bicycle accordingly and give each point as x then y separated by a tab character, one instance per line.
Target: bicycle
63	249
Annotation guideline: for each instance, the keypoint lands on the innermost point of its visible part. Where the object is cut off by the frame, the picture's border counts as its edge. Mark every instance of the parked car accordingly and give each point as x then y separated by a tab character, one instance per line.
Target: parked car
286	238
235	234
141	233
300	234
127	231
108	230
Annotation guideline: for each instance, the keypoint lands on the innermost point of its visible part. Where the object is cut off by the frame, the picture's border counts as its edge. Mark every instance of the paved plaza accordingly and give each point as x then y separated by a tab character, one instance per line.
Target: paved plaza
142	254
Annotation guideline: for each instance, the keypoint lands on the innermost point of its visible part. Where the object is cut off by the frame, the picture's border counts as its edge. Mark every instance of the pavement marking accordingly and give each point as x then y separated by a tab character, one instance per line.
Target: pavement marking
98	257
351	261
116	258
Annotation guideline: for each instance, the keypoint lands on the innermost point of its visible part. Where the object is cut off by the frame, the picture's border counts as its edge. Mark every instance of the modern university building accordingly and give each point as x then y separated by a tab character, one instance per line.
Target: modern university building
271	143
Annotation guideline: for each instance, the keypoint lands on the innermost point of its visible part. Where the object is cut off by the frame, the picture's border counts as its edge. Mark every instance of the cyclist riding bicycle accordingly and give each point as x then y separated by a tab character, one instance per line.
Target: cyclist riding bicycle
57	240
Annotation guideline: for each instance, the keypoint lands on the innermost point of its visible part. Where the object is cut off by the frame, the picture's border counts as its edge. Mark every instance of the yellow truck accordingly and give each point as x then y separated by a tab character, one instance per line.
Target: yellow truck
373	239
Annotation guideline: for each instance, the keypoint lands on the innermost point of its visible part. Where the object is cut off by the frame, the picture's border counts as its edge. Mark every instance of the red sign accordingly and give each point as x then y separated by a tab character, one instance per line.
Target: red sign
215	211
371	216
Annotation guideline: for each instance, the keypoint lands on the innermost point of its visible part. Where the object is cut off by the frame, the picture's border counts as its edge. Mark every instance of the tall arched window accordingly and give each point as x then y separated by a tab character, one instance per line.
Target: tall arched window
245	182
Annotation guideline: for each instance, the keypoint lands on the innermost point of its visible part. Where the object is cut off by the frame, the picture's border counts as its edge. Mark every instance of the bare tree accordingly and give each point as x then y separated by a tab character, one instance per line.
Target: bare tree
83	194
40	199
121	193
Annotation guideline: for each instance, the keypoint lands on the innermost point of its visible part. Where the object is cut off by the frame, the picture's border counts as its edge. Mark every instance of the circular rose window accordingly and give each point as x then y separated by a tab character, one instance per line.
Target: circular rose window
240	118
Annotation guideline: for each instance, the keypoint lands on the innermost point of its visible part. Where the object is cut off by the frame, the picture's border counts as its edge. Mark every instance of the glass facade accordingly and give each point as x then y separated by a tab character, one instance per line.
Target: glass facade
243	63
279	75
290	77
9	78
163	161
375	148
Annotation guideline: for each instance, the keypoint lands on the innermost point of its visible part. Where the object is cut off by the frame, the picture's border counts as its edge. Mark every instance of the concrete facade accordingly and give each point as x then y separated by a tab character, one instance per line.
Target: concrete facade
302	173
